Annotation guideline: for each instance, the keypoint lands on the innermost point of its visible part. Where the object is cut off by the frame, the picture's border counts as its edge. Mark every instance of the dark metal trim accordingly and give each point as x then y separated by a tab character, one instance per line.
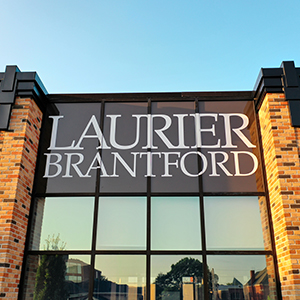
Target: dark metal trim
144	97
22	84
291	84
15	83
239	252
280	80
202	219
8	85
62	252
148	220
153	252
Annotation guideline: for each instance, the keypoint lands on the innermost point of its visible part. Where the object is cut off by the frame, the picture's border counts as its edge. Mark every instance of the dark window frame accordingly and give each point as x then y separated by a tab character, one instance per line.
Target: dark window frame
149	98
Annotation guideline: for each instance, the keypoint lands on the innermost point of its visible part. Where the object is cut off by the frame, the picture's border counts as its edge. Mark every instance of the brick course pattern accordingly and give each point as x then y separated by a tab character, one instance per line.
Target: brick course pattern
281	146
18	153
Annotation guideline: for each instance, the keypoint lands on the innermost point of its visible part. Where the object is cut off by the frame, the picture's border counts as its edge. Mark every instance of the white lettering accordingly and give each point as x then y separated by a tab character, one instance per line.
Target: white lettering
74	165
168	163
55	163
118	157
159	132
199	130
100	165
214	163
149	156
99	135
183	168
54	135
237	163
113	127
237	131
180	118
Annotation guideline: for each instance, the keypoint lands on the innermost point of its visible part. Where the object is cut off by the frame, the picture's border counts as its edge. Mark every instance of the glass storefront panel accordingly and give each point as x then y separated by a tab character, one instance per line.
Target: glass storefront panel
233	223
63	223
164	157
120	277
242	277
174	163
125	128
175	223
61	277
69	146
228	135
176	277
122	223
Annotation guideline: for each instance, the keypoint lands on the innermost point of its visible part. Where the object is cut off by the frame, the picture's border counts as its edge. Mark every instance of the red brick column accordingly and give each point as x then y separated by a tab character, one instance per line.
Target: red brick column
281	145
18	153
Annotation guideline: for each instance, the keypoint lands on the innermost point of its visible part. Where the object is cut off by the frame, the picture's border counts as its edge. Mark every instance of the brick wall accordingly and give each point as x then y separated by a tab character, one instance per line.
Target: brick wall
281	152
18	152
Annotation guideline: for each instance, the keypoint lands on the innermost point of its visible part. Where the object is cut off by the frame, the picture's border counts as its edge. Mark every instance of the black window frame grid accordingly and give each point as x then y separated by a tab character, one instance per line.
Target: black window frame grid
149	99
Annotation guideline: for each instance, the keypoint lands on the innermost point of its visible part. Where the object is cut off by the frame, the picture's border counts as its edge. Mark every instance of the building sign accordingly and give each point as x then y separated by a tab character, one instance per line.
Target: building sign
173	145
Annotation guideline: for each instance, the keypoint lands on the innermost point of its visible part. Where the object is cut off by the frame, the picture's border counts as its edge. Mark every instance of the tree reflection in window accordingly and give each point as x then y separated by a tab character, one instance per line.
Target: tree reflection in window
50	281
184	279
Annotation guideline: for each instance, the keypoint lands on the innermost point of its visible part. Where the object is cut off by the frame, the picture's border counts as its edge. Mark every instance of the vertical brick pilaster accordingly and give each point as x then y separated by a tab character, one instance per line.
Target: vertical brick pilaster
281	143
18	153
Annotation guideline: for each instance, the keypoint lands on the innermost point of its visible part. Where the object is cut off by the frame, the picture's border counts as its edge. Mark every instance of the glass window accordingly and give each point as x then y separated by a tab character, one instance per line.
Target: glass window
175	223
120	277
69	161
122	223
176	147
233	223
125	162
63	223
241	277
49	276
228	138
175	277
175	164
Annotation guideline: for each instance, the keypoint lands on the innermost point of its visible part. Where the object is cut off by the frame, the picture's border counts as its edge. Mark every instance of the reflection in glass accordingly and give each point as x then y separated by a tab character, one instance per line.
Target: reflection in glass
241	277
175	223
63	223
233	223
120	277
122	223
176	277
57	277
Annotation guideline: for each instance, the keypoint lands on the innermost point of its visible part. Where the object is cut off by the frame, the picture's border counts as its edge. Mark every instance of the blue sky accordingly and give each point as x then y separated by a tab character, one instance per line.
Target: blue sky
99	46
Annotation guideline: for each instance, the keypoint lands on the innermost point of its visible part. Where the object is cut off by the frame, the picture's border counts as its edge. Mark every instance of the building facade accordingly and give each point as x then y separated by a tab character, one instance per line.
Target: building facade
150	195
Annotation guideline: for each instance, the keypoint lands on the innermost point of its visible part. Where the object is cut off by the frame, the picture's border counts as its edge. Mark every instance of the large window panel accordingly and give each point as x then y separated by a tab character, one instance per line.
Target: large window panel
177	277
57	277
120	277
63	223
122	223
125	161
242	277
233	223
175	223
69	162
228	137
175	162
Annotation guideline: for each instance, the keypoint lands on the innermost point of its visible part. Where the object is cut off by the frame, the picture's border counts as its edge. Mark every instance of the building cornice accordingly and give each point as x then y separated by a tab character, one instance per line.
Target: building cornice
15	83
285	79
